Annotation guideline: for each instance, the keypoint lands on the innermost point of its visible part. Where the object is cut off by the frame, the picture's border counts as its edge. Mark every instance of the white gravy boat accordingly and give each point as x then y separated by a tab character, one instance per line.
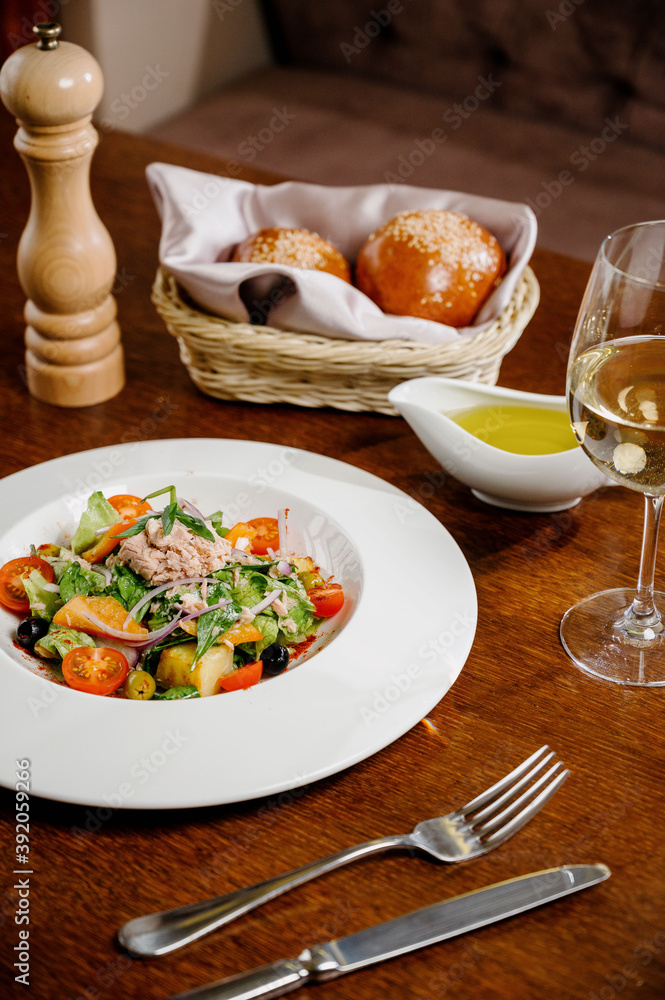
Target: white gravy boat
540	483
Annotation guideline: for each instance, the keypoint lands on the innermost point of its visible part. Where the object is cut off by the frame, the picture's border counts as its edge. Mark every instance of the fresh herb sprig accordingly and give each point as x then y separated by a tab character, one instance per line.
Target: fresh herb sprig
172	512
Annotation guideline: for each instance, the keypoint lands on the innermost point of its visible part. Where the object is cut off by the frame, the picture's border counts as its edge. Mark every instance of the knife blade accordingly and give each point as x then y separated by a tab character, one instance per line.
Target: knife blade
418	929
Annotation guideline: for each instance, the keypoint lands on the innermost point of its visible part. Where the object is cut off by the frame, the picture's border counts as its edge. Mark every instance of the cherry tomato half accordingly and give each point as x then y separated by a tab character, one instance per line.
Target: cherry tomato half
12	590
327	600
106	544
243	677
94	670
129	507
267	535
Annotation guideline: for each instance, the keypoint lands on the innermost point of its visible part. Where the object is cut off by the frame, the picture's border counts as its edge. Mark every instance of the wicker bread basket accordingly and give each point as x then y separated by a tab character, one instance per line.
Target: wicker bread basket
262	364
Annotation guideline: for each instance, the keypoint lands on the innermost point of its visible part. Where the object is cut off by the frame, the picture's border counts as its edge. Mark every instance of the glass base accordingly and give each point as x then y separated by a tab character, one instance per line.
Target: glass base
595	636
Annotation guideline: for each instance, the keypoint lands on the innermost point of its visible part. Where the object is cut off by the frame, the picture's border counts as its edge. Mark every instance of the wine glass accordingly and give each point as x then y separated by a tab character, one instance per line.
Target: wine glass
616	403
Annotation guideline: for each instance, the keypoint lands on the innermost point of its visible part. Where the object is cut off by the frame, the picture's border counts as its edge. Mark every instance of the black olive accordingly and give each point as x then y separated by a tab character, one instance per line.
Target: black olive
30	630
275	659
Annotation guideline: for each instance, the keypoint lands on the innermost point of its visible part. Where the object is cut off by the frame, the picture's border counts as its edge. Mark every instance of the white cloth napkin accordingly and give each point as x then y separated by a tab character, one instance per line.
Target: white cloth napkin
204	216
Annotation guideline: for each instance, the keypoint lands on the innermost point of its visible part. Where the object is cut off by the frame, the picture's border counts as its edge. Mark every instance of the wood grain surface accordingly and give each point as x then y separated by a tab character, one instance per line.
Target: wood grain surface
93	870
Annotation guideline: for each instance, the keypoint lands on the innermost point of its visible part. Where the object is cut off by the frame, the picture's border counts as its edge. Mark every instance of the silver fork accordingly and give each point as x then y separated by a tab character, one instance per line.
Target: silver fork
478	827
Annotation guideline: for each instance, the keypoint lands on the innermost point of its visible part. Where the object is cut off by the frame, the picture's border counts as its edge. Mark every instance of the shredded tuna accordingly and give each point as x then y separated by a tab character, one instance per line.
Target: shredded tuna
283	604
190	602
280	607
159	558
181	589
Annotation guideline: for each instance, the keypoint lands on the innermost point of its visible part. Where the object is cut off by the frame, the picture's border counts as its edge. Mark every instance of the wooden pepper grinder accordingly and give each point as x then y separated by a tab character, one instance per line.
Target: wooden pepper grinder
66	259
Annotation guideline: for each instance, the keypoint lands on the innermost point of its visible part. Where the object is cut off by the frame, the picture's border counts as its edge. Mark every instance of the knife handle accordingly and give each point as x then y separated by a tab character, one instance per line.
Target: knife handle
272	980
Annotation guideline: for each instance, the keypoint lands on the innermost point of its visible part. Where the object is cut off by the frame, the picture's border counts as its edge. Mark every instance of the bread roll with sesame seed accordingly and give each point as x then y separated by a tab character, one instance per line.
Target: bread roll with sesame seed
293	248
432	264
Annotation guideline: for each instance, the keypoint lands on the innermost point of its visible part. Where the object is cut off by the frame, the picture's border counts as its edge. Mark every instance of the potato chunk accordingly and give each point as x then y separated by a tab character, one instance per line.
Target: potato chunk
174	665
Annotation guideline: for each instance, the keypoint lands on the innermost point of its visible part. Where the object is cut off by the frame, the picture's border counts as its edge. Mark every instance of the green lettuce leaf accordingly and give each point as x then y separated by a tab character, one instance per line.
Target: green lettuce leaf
162	610
305	624
295	589
77	580
59	640
267	625
98	514
251	588
128	587
181	692
301	614
211	625
43	602
216	521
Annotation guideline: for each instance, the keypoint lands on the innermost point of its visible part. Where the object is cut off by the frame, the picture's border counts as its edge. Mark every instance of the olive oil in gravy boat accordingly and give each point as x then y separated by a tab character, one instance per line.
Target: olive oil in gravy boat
538	483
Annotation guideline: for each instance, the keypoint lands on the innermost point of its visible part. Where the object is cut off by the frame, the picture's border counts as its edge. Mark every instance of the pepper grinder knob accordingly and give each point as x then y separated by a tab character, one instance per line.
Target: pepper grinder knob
48	35
66	259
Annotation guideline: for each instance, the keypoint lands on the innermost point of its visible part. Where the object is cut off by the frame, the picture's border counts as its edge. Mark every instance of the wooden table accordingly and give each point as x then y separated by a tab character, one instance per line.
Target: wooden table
517	691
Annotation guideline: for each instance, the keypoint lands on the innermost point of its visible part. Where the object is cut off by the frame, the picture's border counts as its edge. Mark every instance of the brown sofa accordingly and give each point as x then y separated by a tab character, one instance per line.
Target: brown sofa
556	103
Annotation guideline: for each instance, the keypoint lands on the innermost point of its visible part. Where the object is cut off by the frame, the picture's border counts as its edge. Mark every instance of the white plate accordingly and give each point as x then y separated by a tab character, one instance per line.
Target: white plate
393	652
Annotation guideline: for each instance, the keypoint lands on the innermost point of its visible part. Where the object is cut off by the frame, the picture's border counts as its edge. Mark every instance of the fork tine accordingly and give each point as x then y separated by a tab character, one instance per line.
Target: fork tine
508	782
483	825
529	811
510	795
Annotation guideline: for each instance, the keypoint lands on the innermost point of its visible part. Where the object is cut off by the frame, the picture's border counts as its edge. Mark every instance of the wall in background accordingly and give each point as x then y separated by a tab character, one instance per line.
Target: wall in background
160	57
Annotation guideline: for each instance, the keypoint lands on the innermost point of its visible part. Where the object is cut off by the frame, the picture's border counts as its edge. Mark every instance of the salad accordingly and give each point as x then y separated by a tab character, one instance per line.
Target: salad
155	604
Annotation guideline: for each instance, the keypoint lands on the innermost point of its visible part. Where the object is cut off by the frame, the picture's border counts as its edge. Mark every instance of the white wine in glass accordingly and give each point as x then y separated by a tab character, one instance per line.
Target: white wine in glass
616	403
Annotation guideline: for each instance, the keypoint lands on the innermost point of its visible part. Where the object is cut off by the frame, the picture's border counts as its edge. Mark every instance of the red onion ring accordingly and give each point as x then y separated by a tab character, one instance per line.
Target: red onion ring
190	508
245	553
140	641
131	653
178	621
265	603
134	638
281	527
102	531
104	571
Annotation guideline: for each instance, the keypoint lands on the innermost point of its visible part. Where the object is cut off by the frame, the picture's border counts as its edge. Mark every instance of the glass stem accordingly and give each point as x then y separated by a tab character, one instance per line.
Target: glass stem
643	611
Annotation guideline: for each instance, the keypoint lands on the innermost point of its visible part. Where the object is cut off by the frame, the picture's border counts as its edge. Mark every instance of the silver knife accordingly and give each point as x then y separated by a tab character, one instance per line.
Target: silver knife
403	934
